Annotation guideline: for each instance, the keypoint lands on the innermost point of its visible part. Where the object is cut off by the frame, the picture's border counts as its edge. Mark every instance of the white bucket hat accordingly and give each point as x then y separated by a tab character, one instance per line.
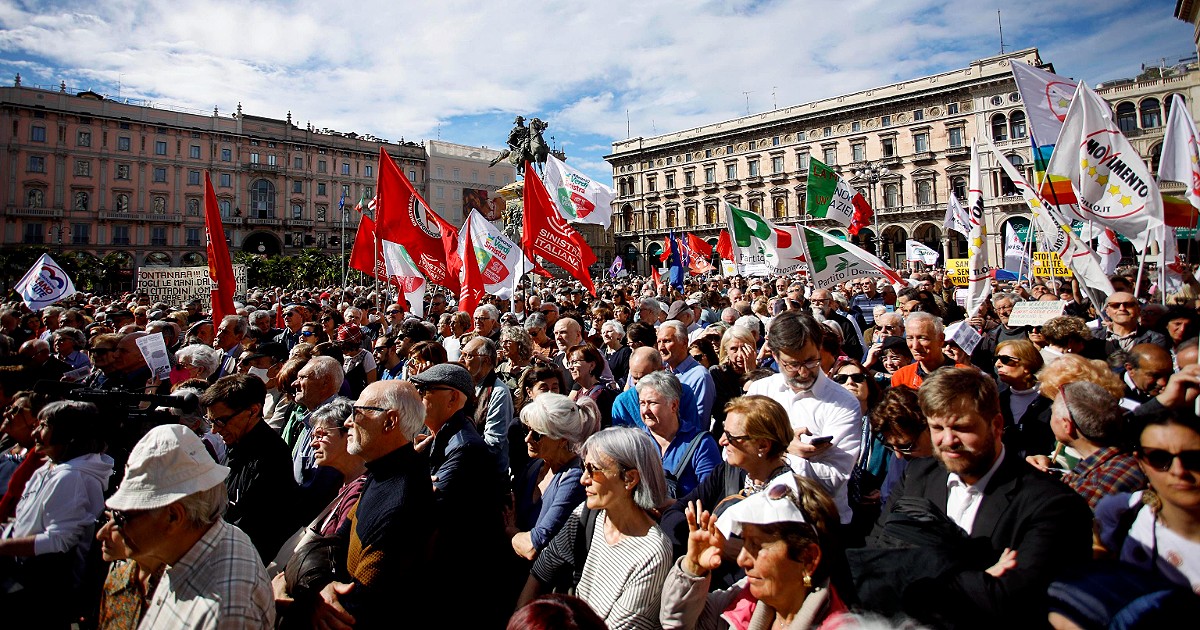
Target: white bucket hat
167	464
775	504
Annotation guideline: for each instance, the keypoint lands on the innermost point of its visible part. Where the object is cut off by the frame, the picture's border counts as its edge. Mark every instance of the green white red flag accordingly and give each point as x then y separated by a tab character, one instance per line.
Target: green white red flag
832	260
545	233
500	260
757	247
832	197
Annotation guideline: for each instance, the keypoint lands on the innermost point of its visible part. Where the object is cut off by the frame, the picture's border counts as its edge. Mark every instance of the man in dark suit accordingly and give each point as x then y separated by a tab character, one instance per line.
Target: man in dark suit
1022	526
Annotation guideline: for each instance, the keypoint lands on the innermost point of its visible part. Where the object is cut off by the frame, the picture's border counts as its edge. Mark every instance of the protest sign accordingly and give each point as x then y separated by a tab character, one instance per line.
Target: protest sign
1035	313
154	350
175	286
1049	264
958	271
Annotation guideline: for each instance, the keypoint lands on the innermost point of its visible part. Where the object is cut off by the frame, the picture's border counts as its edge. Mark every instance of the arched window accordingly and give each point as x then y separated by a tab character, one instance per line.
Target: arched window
925	192
158	258
122	204
999	127
1168	102
710	214
671	217
1155	158
1126	116
780	208
262	200
193	205
1016	125
1151	114
692	216
627	216
891	196
297	211
756	206
1007	187
223	204
653	214
158	205
82	200
35	198
192	259
959	186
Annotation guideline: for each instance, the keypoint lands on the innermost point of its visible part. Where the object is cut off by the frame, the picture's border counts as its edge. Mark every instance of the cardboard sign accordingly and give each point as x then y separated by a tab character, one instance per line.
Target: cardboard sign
1035	313
958	269
1049	264
178	285
964	336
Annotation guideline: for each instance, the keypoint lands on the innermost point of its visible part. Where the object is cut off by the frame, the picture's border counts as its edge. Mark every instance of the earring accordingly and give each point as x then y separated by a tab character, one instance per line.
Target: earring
808	582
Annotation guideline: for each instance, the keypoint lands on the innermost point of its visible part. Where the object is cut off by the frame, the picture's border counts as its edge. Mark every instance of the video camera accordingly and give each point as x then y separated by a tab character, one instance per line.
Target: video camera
129	415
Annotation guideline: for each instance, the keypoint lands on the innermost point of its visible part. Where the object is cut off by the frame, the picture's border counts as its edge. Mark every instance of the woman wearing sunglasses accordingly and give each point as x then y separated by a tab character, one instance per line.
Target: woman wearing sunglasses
627	556
1155	529
870	470
788	552
549	489
1026	413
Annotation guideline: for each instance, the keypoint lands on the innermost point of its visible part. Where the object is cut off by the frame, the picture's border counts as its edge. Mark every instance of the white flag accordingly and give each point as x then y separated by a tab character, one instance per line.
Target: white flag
403	272
979	271
1180	158
1015	259
833	261
1046	97
957	218
916	250
580	198
1109	250
759	247
1056	236
501	262
44	284
1111	183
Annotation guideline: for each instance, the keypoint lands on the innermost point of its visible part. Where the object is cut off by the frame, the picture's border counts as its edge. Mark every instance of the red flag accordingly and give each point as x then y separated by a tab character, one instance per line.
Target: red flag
862	215
362	257
471	291
279	323
655	276
403	218
545	233
220	265
725	245
700	254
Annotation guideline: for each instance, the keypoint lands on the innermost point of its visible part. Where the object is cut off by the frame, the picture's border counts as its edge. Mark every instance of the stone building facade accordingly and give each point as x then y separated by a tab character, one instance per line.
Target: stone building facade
921	131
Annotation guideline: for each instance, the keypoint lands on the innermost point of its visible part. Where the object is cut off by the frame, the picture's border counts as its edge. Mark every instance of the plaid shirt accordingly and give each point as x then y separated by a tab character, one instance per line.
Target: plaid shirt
1105	472
219	583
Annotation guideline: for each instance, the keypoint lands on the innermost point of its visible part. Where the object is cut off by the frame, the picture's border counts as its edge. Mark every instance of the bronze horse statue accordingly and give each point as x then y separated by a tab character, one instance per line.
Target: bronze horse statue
525	144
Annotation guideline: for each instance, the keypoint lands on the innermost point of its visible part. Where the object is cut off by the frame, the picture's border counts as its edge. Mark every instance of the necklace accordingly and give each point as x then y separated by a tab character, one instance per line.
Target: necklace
750	486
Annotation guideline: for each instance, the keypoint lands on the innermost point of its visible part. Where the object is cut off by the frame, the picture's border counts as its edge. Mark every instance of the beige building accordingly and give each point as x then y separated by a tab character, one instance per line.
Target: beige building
460	178
921	131
83	173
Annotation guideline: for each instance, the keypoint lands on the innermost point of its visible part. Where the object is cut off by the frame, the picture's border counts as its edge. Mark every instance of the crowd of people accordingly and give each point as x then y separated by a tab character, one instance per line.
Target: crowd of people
741	453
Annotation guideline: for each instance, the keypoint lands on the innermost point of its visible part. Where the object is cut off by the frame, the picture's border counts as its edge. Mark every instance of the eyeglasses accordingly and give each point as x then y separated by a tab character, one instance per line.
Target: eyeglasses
735	439
903	449
224	420
360	410
794	366
382	348
1161	459
533	435
857	377
1007	360
394	312
1124	306
307	333
99	351
326	319
121	518
425	389
591	469
321	434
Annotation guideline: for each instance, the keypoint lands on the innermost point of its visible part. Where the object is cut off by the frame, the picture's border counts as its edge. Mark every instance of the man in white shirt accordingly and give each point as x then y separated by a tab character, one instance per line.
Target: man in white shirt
827	418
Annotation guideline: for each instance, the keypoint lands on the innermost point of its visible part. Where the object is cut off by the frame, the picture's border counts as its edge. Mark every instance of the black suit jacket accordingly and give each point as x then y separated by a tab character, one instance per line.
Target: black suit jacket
1031	433
1038	516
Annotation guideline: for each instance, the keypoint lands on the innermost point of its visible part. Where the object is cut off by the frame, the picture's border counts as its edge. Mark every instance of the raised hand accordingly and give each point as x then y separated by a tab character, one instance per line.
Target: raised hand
705	541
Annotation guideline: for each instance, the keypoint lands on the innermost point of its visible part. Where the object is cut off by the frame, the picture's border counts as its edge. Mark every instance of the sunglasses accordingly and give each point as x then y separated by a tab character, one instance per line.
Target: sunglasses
1007	360
903	449
224	420
393	312
734	439
425	389
533	435
857	377
307	333
591	470
121	518
1161	459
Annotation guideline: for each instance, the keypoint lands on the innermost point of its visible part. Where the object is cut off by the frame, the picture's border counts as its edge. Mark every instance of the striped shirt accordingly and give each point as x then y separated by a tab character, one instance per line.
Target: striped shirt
621	582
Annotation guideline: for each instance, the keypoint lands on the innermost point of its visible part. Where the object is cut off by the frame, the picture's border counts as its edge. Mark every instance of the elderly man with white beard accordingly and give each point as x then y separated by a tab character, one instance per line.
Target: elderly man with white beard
826	417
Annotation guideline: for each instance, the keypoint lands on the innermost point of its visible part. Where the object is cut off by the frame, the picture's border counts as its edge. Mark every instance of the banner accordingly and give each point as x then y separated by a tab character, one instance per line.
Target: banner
44	284
1047	264
979	270
580	198
833	261
757	247
916	250
1035	313
177	286
957	270
500	259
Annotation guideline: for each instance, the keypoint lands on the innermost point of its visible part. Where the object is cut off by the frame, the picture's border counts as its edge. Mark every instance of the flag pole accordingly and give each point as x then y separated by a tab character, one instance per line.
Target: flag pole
345	263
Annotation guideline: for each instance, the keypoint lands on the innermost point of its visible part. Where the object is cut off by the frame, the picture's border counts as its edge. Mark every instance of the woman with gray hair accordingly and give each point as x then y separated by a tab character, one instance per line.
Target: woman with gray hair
549	489
623	557
517	346
199	360
616	351
688	453
68	344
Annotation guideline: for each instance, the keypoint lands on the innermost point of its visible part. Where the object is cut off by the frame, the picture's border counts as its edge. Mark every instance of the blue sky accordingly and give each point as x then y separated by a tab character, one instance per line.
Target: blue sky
461	70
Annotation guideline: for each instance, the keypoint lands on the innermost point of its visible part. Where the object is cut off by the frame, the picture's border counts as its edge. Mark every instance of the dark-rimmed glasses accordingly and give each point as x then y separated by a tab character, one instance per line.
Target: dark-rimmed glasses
1160	459
591	469
903	449
224	420
857	377
533	434
1007	360
734	439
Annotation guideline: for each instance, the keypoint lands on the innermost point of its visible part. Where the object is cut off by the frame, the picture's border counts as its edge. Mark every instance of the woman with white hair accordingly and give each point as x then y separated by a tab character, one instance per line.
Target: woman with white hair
689	453
549	489
619	565
616	351
199	360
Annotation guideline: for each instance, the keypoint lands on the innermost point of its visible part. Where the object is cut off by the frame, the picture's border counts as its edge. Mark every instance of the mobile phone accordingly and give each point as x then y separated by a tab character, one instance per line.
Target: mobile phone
821	439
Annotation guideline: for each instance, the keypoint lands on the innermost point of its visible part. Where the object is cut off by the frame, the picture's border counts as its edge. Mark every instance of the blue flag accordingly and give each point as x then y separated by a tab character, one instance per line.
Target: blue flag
676	262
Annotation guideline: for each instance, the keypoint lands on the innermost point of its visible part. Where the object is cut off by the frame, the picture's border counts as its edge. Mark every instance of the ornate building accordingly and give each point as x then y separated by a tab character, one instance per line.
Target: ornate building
459	172
905	146
85	173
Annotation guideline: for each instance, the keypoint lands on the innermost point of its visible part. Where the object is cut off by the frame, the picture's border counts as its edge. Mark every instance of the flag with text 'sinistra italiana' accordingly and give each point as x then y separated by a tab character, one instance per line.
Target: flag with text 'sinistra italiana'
831	197
545	233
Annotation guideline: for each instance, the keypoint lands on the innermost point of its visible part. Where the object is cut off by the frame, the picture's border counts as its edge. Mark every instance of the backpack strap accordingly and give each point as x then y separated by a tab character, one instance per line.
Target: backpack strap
583	543
687	455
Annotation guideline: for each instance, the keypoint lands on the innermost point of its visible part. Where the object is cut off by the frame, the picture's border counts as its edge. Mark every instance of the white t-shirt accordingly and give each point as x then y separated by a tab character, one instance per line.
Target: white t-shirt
1178	558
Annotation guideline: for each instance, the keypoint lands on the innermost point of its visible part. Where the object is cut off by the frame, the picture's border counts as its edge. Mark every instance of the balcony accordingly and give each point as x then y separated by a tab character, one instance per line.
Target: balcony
924	156
301	223
779	178
754	180
162	218
17	211
273	222
733	183
711	187
671	193
689	190
112	215
261	168
958	152
651	195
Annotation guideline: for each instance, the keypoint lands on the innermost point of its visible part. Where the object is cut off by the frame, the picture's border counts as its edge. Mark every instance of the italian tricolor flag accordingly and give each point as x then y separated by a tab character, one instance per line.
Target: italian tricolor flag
831	197
832	261
756	246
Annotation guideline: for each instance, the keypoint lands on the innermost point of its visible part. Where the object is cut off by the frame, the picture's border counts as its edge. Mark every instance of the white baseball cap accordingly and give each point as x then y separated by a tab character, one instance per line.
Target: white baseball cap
776	504
167	464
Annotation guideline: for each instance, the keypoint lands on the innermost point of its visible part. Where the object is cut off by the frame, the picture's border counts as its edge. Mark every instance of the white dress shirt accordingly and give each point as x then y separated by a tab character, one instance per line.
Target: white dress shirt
962	504
827	409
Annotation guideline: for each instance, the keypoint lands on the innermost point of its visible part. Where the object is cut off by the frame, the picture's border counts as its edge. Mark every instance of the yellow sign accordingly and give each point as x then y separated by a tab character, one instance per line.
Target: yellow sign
1049	264
959	271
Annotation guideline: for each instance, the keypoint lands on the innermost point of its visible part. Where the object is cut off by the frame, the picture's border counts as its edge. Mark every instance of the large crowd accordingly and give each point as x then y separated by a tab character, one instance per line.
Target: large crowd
734	453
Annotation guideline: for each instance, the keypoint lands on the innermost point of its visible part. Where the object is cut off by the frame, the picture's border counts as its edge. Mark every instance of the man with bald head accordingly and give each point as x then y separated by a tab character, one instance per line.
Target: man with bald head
627	412
568	333
1124	329
1146	371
